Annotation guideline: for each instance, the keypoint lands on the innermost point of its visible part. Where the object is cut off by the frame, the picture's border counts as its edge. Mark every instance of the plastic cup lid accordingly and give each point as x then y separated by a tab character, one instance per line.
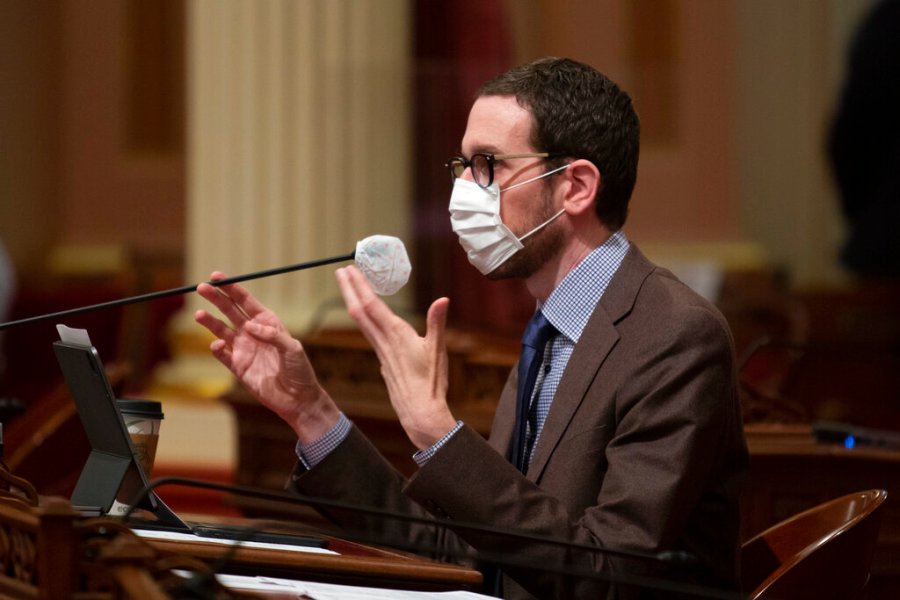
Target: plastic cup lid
150	409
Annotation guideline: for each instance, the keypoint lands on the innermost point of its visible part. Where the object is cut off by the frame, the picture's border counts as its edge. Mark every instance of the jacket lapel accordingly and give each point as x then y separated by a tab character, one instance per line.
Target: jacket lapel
505	415
597	340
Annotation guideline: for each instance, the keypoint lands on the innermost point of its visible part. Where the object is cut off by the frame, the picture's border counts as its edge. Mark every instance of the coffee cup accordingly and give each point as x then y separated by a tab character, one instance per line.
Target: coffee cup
142	419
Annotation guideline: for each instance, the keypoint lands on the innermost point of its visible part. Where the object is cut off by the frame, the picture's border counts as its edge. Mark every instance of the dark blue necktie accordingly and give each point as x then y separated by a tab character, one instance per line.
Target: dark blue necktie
537	333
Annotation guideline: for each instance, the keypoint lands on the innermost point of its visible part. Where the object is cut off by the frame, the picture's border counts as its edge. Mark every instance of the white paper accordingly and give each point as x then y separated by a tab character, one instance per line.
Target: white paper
69	335
152	534
330	591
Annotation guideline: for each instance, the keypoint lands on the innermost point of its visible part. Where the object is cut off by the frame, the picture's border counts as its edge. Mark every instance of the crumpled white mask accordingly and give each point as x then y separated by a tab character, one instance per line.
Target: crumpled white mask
475	217
384	262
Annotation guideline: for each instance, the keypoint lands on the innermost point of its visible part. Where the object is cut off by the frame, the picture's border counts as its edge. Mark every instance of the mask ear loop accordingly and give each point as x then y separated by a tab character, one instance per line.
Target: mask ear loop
544	224
541	176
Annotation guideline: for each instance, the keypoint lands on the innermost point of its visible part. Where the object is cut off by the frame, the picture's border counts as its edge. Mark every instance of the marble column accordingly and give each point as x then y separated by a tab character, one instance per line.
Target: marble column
298	146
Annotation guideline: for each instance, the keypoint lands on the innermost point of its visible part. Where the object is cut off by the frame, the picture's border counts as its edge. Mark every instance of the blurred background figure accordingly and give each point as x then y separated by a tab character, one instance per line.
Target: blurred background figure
864	145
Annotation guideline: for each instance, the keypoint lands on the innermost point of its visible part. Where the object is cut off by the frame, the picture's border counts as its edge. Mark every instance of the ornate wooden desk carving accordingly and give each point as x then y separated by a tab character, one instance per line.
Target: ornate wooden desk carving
51	552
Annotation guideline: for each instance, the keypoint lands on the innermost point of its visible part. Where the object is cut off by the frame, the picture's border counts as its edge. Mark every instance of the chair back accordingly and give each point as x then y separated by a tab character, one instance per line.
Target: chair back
824	552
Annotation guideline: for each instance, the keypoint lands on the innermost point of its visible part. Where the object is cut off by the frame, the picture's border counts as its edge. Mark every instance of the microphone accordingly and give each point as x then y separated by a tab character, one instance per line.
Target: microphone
381	258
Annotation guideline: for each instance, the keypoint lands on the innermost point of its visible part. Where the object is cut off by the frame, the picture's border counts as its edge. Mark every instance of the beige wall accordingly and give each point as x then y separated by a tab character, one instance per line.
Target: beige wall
29	128
70	172
675	59
110	191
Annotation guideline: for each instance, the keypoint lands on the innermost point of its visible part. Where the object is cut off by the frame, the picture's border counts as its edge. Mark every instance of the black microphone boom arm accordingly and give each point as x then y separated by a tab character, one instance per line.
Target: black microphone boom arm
182	290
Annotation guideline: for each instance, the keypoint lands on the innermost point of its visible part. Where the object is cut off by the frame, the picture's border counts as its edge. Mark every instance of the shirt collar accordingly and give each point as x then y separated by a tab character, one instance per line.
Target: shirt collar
571	303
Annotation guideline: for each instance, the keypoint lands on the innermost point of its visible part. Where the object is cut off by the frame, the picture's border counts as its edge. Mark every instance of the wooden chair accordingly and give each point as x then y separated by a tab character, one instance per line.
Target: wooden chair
824	552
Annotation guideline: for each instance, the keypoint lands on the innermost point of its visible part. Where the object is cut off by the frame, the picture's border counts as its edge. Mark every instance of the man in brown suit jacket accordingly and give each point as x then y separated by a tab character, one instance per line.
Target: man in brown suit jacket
624	436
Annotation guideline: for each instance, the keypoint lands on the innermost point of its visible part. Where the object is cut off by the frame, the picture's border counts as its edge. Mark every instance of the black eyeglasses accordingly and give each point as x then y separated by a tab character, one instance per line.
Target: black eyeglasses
482	165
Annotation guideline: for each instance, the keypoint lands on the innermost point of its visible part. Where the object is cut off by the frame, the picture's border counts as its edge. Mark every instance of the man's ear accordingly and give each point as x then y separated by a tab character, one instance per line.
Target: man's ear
584	183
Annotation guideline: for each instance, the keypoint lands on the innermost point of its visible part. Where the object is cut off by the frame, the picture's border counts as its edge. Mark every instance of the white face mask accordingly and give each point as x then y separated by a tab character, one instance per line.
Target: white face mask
475	217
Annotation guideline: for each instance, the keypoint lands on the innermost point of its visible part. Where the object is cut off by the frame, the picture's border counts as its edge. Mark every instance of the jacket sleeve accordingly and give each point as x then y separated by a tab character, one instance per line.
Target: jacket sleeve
356	474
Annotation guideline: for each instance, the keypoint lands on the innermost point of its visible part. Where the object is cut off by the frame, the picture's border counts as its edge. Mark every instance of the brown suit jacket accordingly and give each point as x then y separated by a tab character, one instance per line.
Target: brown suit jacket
643	450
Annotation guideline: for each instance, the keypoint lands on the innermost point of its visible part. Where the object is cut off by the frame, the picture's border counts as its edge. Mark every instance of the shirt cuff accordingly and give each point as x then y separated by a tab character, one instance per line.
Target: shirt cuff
315	452
423	456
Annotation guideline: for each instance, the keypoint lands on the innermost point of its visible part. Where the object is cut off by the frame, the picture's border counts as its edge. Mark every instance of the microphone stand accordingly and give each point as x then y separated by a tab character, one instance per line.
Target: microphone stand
182	290
670	558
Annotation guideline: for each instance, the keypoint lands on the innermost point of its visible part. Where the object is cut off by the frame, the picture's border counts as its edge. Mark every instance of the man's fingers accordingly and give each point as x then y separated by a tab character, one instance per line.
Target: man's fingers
233	300
223	302
276	336
436	326
222	352
215	326
436	321
239	295
367	309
